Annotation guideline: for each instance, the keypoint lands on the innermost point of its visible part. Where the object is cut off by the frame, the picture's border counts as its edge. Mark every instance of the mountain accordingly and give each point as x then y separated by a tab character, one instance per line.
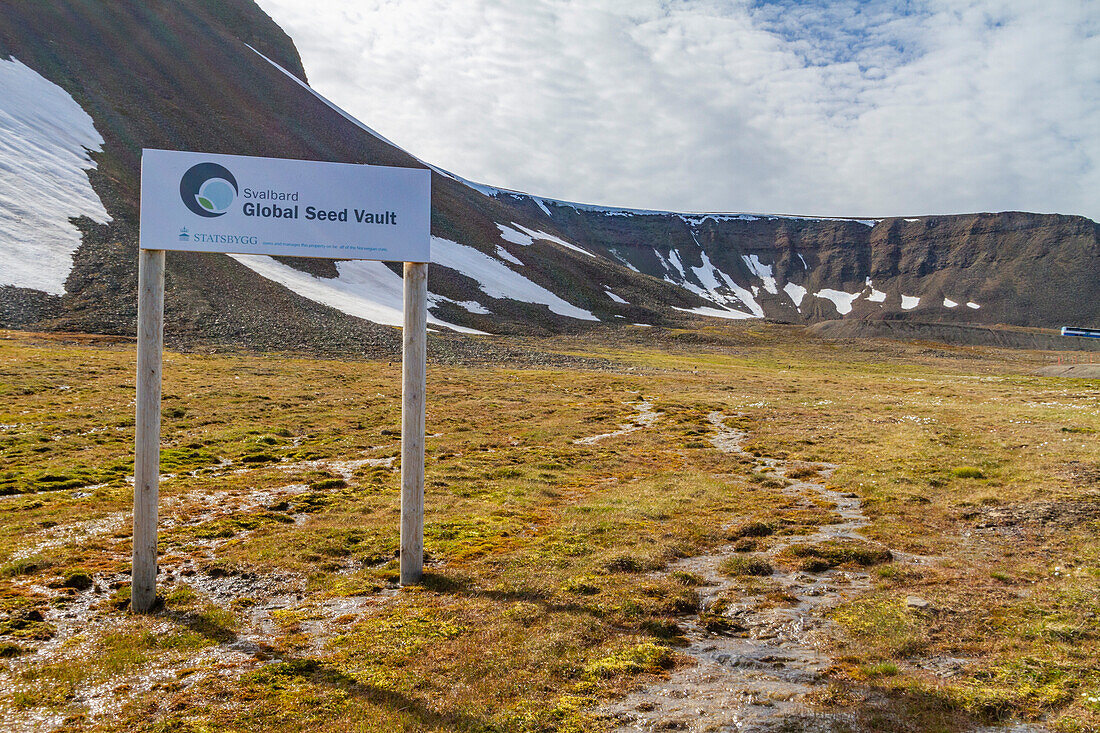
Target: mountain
85	85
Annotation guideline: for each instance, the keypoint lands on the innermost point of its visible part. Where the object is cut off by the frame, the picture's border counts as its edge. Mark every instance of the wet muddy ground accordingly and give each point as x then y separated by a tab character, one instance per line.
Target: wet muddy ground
80	617
760	658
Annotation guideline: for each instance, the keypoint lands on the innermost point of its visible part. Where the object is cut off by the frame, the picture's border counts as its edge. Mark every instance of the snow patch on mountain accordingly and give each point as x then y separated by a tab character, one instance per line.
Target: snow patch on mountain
622	260
876	296
508	234
471	305
364	288
370	290
538	234
744	296
697	220
674	258
842	300
499	281
526	237
716	286
507	256
909	302
796	294
45	138
614	297
730	313
762	271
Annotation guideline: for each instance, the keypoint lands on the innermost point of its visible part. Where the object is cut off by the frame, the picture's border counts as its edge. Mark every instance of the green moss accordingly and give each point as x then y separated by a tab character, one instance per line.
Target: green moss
259	458
825	555
967	472
60	482
646	657
752	529
743	565
9	650
328	483
27	624
539	551
690	580
882	626
77	579
232	525
175	460
879	669
581	586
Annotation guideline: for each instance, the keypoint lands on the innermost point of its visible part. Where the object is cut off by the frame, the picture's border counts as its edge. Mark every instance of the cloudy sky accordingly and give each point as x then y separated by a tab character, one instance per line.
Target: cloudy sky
884	107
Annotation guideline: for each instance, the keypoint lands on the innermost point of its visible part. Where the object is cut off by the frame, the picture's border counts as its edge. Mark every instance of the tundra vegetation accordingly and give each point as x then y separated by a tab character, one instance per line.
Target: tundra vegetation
546	591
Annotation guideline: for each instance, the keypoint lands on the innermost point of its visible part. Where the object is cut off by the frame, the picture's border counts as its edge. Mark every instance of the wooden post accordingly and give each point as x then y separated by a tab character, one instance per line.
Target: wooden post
143	584
413	388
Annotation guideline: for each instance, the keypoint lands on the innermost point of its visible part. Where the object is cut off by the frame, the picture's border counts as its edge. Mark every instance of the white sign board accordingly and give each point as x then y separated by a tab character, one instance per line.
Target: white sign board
200	202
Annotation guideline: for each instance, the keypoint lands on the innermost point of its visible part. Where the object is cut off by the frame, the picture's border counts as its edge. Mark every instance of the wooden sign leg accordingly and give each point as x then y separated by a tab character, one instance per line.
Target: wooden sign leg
143	585
413	387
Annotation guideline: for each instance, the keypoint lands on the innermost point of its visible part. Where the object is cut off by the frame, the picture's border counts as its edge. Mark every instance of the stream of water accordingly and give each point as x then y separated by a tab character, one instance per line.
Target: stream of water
760	675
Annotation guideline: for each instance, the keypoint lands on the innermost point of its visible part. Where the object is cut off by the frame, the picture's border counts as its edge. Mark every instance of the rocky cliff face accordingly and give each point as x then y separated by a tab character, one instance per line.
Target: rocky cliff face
221	77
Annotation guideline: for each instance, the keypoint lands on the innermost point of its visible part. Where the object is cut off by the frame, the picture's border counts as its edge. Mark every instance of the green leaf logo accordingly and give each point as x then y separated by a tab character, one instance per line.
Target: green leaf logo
208	189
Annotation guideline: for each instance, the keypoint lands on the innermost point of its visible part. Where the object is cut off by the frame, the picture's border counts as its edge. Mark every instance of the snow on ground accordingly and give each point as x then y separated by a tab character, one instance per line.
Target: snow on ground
694	221
973	305
762	271
948	303
674	258
622	260
709	286
508	234
365	289
370	290
537	234
614	297
876	296
707	273
471	305
909	302
730	313
508	256
716	286
744	296
796	294
804	265
498	280
843	301
667	266
44	141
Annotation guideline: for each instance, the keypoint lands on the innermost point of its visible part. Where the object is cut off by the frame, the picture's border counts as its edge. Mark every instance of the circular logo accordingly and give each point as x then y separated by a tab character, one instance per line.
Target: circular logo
208	189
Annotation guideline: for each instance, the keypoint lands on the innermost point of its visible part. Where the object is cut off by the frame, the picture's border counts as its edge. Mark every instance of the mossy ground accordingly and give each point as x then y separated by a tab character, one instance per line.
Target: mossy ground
542	596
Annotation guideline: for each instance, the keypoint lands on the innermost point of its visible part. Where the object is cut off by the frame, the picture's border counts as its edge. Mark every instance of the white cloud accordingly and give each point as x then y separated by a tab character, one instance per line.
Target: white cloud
840	108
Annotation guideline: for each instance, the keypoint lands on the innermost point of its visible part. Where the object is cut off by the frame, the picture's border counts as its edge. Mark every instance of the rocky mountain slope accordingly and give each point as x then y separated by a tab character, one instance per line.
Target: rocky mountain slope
85	85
